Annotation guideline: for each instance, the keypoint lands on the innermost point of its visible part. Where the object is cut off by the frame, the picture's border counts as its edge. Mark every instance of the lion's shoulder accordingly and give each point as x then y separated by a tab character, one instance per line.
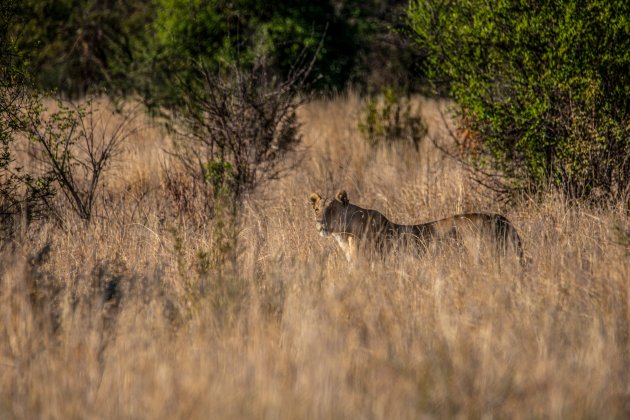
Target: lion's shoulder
361	220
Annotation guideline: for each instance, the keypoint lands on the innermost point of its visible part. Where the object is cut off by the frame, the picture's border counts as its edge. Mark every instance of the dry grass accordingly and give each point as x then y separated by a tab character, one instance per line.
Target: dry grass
274	324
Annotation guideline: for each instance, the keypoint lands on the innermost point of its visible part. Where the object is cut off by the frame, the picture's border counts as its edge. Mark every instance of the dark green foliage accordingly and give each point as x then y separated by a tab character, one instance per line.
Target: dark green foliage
128	47
243	33
218	173
22	195
355	37
544	85
390	118
78	46
64	149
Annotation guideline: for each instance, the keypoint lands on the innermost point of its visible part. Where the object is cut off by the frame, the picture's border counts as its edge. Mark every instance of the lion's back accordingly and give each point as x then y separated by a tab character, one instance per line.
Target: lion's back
485	226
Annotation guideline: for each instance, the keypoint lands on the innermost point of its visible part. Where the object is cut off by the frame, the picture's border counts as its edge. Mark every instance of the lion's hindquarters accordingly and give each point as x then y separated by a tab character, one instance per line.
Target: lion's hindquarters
505	237
508	237
478	233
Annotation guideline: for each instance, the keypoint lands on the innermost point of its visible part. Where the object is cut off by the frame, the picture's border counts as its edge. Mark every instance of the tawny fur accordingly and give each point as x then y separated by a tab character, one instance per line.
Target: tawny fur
356	228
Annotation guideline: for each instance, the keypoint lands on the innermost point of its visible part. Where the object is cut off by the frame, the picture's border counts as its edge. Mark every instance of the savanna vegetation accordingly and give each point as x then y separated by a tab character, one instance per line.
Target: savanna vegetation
544	87
158	254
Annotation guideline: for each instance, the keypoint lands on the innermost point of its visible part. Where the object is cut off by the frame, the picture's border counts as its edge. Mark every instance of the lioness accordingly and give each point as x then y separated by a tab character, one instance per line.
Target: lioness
355	228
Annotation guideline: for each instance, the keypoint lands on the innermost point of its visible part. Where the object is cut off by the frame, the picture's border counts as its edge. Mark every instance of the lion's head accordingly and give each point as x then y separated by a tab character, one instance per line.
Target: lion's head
330	215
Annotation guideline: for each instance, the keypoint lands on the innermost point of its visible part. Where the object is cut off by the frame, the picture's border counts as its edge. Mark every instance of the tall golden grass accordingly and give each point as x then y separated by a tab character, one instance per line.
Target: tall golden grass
260	317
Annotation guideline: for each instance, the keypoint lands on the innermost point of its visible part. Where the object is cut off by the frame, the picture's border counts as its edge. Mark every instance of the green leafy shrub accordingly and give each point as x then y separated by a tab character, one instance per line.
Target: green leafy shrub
544	85
82	46
22	193
390	118
346	37
126	47
219	174
66	149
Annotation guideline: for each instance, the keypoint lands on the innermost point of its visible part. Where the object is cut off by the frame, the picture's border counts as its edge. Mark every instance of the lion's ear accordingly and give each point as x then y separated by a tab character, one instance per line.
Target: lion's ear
343	197
314	199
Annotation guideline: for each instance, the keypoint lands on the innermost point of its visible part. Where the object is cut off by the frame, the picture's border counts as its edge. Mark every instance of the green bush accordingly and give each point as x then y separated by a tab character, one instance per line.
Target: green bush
81	46
544	85
390	118
352	42
23	195
243	33
70	146
126	47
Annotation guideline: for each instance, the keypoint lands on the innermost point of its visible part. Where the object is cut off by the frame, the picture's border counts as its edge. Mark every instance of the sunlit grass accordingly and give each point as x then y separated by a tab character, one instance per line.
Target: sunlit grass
271	322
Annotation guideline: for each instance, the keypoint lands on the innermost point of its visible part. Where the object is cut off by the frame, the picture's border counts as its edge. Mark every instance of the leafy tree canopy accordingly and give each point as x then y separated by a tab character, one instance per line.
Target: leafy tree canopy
125	47
545	85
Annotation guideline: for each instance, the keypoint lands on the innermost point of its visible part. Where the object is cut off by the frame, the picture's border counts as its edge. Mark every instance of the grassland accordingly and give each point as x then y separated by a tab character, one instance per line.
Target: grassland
156	310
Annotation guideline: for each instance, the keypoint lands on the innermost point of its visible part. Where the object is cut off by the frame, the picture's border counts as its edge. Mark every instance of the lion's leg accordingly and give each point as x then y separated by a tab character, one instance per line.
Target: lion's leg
348	245
352	249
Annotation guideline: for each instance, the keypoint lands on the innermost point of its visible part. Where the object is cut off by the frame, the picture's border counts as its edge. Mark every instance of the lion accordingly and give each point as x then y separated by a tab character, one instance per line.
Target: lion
356	228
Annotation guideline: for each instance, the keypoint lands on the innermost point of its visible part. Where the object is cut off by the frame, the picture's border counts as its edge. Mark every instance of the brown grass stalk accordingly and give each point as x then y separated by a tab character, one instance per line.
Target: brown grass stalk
145	313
